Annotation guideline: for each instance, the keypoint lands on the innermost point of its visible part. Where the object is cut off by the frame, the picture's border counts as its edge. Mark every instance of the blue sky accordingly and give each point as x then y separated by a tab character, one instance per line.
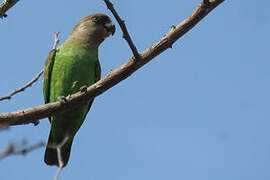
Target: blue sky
198	111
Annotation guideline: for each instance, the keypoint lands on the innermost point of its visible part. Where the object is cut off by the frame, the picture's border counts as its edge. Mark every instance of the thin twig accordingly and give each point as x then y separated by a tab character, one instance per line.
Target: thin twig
126	35
56	40
22	88
114	77
59	156
6	5
13	149
59	169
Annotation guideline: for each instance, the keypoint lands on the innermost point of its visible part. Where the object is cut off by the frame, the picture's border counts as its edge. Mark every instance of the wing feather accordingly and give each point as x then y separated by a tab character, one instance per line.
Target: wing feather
47	75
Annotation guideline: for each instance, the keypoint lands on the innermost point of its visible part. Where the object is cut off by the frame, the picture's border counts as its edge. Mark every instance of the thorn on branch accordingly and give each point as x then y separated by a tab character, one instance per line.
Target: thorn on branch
173	27
166	36
36	122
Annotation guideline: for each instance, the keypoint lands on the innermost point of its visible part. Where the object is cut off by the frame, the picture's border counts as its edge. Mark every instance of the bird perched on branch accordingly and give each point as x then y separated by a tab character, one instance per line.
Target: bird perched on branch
73	65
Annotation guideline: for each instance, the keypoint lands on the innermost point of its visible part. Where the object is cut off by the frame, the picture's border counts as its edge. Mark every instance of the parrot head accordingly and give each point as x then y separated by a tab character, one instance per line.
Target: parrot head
94	28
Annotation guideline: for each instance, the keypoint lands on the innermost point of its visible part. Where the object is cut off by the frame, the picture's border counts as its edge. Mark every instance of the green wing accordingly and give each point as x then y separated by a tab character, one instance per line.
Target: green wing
98	74
47	75
98	71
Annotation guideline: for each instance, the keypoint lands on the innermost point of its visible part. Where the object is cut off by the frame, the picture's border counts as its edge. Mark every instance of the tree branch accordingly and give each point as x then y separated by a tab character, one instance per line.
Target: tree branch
13	149
126	35
6	5
22	88
31	115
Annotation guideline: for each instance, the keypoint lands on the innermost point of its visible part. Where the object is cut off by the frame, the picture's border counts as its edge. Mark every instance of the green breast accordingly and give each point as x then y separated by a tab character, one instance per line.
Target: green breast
74	67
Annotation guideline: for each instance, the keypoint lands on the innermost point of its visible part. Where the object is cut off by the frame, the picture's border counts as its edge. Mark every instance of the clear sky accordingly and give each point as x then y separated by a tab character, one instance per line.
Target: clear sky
199	111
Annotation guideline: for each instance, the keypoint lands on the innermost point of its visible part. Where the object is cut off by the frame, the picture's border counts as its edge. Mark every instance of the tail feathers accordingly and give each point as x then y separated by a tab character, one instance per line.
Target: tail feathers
51	154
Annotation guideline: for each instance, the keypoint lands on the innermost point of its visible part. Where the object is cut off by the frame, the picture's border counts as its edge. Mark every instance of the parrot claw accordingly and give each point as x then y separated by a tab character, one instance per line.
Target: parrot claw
83	89
62	99
69	96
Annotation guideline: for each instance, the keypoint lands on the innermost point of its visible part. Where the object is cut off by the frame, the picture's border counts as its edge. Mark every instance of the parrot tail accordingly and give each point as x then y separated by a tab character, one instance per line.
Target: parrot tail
51	154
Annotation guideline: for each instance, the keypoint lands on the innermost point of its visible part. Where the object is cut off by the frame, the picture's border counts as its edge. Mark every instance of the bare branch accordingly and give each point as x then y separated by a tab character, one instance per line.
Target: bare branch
126	35
13	149
22	88
32	114
6	5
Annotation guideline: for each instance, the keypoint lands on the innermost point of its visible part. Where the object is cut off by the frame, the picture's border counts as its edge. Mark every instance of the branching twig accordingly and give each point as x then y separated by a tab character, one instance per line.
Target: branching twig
126	35
22	88
56	41
32	114
12	149
6	5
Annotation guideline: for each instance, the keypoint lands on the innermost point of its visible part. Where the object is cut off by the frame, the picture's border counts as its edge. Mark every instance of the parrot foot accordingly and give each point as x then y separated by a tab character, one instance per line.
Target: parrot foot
62	99
83	89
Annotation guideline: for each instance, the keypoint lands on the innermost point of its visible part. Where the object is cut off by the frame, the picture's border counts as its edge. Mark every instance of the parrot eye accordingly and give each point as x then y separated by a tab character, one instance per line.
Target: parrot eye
100	19
95	19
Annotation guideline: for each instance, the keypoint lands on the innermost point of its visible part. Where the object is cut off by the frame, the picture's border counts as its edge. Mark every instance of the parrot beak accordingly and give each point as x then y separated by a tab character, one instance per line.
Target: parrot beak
110	27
